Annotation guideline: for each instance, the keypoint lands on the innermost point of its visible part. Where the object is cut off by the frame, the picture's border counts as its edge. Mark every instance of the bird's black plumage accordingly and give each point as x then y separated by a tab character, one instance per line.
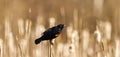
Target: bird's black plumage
50	33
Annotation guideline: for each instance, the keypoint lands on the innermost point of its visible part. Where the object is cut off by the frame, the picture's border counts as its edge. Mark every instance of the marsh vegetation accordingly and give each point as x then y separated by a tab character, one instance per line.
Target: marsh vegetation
92	28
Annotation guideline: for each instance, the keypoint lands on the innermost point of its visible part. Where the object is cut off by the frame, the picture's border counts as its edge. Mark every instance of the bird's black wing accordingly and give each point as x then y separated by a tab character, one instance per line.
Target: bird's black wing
49	30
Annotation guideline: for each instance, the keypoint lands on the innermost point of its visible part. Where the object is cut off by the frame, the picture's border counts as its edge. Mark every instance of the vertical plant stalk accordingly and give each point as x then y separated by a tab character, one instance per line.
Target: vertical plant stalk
19	47
50	50
51	54
21	32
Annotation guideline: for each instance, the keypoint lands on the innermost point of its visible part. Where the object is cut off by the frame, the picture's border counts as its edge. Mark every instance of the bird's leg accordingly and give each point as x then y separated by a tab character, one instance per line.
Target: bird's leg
51	41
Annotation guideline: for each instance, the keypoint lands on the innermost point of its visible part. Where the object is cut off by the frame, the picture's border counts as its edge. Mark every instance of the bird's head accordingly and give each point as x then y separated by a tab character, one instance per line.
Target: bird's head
60	26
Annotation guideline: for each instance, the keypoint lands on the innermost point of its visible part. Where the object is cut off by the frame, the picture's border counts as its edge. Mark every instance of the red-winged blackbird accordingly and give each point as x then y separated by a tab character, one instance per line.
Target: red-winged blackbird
50	33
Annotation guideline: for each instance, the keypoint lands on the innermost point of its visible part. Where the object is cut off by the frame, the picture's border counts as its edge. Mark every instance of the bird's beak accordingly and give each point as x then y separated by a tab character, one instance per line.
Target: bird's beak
64	25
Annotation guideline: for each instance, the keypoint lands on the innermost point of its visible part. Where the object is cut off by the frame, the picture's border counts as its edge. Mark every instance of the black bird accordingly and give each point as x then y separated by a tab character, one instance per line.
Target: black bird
50	34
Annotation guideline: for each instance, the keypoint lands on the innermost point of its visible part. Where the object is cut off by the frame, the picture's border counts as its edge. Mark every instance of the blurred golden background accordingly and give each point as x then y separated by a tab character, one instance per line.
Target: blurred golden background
92	28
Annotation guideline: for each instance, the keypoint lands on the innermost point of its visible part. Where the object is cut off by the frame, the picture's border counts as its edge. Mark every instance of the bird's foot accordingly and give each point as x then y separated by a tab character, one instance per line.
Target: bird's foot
51	42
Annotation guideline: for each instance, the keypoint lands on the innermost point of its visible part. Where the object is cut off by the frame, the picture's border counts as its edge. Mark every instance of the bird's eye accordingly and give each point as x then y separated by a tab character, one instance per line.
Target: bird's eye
59	29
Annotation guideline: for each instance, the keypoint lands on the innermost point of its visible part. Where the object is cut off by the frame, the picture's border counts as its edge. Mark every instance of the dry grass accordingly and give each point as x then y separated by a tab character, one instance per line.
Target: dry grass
92	28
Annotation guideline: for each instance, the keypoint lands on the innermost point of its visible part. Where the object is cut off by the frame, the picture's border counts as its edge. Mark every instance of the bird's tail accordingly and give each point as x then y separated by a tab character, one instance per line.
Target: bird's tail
37	41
